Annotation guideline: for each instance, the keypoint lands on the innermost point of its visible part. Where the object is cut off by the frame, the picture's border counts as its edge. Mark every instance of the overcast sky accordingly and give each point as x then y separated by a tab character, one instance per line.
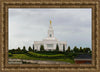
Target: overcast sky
27	25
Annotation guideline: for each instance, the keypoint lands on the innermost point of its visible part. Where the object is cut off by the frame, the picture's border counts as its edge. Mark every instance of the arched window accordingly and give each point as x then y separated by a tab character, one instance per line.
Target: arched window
50	35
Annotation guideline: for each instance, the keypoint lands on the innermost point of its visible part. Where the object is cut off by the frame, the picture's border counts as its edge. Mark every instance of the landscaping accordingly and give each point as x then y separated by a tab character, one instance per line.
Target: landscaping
30	54
24	56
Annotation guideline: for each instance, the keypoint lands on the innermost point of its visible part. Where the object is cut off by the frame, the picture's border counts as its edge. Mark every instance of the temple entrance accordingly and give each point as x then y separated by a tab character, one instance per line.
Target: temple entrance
49	46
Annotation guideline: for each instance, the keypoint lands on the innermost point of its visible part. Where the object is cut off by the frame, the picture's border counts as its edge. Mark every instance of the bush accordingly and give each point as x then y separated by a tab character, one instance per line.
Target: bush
9	54
42	48
32	54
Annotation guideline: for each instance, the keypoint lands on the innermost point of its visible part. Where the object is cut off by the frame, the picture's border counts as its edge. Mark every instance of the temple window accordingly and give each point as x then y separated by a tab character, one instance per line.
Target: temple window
50	35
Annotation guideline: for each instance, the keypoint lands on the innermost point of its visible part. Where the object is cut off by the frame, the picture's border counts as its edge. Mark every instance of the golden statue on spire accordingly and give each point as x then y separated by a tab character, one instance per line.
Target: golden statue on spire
50	21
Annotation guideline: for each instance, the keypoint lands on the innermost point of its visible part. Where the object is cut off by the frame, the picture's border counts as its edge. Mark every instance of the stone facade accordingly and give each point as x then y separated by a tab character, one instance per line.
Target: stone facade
50	42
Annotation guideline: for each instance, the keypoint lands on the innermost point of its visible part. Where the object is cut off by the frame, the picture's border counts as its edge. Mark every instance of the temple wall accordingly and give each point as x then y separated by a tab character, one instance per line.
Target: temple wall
37	45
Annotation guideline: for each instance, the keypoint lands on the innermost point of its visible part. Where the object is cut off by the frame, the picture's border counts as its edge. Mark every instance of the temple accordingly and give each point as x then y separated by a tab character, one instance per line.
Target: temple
50	43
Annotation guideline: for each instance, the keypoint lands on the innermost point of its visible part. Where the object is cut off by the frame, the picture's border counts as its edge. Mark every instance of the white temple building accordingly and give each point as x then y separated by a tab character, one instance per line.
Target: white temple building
50	42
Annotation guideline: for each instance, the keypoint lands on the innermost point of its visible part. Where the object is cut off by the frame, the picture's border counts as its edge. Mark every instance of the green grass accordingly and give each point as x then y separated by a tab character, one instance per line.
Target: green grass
45	55
20	56
49	53
24	56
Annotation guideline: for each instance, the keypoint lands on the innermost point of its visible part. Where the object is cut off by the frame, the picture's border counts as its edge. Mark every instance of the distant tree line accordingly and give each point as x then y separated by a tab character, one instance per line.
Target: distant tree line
69	50
21	51
78	50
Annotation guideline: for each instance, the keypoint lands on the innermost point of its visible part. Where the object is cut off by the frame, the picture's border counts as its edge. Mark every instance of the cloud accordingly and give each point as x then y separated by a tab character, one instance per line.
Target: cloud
28	25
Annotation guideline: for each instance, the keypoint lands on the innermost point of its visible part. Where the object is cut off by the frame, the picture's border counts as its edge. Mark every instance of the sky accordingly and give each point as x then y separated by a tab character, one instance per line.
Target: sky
27	25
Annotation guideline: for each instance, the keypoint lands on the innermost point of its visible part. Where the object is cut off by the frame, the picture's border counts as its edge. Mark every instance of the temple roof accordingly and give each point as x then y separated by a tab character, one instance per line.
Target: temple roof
53	38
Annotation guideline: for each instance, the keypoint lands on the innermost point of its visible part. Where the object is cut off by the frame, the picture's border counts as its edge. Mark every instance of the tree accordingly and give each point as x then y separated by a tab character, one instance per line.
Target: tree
68	50
35	50
41	48
57	47
63	48
71	51
24	49
90	52
76	50
86	50
81	50
33	47
18	50
12	51
30	49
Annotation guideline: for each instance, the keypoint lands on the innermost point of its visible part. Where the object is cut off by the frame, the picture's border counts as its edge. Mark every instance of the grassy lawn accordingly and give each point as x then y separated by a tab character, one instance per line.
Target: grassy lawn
24	56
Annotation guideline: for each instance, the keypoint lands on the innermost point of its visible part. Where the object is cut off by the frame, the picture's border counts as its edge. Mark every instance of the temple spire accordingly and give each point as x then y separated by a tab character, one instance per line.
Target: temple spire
50	24
50	21
50	31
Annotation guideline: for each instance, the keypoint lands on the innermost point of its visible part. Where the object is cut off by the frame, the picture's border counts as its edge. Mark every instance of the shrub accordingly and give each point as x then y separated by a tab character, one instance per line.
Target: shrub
9	54
41	48
45	56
